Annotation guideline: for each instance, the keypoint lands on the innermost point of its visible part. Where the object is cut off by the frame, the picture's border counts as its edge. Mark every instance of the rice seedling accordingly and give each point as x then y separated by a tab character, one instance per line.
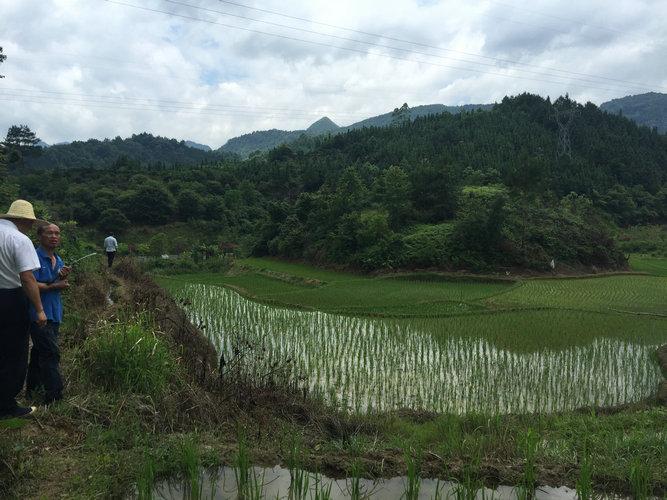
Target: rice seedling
512	362
640	480
470	482
413	481
438	490
146	479
529	445
355	487
190	461
584	485
249	483
321	490
299	478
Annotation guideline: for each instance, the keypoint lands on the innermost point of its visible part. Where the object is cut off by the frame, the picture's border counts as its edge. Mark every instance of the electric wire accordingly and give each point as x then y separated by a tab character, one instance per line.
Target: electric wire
420	44
565	19
365	52
626	84
175	102
36	99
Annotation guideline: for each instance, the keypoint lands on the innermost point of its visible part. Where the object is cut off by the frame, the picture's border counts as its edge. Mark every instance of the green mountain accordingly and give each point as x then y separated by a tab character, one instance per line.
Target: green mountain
322	126
645	109
140	149
263	140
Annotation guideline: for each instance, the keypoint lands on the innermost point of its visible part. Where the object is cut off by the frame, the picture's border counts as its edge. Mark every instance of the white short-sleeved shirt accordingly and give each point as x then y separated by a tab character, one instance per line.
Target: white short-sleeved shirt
110	244
17	254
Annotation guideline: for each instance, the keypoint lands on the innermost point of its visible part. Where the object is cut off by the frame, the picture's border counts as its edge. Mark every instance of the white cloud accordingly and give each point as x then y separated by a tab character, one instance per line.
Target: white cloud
90	68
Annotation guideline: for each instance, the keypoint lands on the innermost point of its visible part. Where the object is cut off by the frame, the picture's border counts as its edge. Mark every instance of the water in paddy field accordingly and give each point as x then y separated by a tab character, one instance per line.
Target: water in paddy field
366	365
275	483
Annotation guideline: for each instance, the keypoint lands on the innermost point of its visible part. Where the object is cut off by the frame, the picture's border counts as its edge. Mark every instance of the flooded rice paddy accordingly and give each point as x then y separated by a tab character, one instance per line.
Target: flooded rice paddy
510	362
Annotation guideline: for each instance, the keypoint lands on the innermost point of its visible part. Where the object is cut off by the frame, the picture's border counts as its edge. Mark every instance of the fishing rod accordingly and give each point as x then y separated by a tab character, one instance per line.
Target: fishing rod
58	277
84	257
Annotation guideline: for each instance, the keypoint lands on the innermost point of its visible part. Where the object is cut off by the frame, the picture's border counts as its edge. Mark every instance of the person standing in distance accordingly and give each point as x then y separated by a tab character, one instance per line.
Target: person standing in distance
18	287
44	366
110	247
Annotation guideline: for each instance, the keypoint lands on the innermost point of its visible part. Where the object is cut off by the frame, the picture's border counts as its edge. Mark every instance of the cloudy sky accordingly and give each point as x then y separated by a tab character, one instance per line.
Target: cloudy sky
209	70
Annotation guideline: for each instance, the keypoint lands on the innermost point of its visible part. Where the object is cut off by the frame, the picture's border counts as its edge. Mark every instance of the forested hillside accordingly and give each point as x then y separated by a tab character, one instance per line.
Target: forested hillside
413	113
648	109
476	190
144	149
264	140
261	140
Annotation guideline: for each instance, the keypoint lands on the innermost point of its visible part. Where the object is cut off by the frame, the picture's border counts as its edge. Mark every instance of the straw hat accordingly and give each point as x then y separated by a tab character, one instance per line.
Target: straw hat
22	209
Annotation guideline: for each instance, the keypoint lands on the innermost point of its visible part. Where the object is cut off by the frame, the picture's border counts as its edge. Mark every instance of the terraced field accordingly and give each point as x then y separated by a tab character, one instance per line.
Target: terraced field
452	344
613	293
652	265
424	295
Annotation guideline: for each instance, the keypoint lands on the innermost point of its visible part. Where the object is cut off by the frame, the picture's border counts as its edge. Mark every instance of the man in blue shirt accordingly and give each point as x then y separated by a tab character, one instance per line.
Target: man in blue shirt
44	367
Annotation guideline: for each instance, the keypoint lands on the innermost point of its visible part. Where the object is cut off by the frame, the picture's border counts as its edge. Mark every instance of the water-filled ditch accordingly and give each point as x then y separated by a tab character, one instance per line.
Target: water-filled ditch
277	482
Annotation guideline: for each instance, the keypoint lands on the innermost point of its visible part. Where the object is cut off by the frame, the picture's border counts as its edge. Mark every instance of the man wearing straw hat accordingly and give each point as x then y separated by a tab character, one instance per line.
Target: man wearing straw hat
18	287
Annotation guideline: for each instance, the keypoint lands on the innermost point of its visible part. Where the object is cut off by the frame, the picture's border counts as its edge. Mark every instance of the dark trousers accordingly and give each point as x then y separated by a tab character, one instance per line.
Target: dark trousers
110	257
14	326
44	367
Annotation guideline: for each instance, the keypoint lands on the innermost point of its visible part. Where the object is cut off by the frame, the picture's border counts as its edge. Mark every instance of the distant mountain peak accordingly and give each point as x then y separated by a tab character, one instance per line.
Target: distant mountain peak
322	126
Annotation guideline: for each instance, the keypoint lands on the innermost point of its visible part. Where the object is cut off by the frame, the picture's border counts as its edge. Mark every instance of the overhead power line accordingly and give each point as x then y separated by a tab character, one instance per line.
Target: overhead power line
89	104
148	106
129	100
365	52
402	40
350	91
565	19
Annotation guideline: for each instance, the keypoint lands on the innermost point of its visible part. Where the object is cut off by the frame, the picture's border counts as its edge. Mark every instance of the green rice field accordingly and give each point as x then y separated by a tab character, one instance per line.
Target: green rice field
448	344
652	265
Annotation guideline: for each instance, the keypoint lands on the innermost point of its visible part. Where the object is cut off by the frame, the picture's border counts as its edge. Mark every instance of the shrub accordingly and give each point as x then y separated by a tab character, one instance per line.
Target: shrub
426	246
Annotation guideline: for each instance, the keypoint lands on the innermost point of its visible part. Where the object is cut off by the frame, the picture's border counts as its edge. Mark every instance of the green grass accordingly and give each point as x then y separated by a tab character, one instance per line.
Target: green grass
129	357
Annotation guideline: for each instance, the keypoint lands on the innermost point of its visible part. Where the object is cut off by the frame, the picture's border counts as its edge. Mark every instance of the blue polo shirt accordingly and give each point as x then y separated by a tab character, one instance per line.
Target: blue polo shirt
51	301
